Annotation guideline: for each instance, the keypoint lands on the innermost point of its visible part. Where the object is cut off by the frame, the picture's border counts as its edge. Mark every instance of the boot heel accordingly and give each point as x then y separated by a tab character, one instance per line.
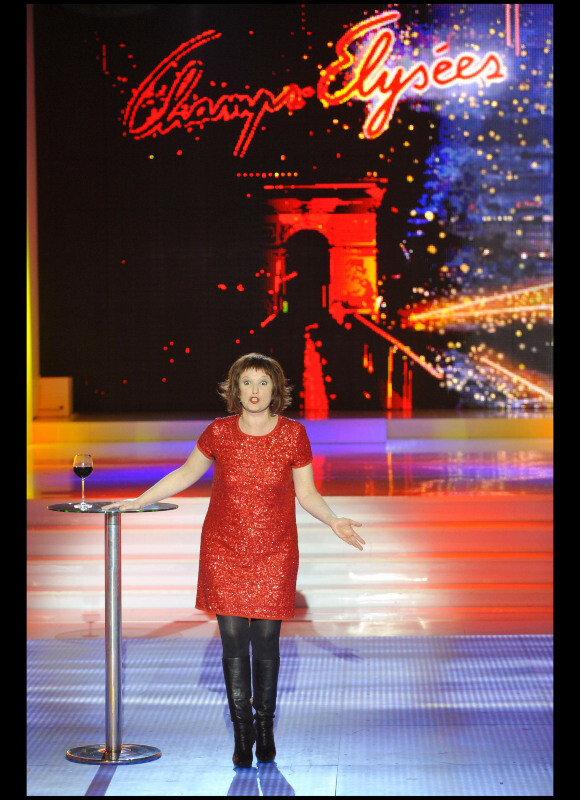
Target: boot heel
244	738
265	679
265	745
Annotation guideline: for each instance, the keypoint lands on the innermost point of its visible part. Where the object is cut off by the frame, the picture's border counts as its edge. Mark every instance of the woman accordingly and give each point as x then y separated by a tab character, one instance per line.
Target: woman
248	558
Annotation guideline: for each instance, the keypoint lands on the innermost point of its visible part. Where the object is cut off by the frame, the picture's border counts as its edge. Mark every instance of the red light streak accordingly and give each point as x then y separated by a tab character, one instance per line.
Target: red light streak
402	347
458	313
515	302
508	26
268	319
315	398
517	378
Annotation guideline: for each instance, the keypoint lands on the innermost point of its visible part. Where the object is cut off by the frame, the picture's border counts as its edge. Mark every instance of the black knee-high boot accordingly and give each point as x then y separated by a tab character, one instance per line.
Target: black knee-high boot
239	690
265	680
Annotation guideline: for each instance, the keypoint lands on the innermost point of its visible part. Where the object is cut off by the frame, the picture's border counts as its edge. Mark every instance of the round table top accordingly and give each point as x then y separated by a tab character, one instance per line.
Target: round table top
97	508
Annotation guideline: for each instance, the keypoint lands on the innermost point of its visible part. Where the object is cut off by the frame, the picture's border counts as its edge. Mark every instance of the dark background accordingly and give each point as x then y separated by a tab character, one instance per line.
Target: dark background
136	235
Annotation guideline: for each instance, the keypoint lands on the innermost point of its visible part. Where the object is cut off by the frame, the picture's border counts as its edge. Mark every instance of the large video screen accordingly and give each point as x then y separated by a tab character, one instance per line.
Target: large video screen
364	193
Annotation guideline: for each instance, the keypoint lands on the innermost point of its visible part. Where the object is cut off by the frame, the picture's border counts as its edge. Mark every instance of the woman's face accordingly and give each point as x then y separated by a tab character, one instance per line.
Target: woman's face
255	389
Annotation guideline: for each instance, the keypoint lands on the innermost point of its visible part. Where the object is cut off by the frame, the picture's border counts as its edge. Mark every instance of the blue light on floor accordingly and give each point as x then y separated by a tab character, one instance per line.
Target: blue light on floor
401	716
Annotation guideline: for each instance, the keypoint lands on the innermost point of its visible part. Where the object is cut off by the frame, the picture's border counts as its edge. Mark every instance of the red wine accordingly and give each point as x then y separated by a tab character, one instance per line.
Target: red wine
82	472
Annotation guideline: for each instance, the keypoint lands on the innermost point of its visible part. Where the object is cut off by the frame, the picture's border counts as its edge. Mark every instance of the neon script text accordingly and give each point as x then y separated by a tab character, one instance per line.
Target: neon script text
167	98
370	81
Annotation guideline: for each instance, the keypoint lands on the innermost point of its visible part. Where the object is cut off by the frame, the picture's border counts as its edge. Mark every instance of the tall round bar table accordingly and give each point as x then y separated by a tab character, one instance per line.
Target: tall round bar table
112	751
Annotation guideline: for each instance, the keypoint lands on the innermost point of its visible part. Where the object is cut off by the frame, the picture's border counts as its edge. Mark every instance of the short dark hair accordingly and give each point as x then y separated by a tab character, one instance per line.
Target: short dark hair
281	389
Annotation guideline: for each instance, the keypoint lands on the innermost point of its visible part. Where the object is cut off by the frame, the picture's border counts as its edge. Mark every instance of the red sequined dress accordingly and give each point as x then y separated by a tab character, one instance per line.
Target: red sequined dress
248	558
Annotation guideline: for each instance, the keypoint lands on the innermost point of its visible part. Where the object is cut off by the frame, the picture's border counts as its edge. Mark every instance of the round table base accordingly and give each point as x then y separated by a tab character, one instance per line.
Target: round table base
96	754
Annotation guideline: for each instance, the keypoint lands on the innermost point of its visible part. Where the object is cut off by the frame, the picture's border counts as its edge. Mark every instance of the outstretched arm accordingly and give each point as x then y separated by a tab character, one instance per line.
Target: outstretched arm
173	483
312	502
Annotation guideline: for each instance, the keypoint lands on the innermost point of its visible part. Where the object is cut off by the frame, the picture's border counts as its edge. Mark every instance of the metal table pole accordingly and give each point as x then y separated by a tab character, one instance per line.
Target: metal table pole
113	750
113	637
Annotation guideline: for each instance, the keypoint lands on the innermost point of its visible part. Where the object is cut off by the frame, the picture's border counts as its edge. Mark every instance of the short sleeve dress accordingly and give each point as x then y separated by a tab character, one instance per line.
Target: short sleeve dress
248	559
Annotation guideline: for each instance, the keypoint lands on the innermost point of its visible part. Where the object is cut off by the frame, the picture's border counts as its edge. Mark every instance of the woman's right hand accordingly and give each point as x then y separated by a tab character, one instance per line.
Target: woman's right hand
123	505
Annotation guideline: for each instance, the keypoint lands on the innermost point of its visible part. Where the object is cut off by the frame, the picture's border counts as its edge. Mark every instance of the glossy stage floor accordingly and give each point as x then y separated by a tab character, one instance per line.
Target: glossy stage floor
419	667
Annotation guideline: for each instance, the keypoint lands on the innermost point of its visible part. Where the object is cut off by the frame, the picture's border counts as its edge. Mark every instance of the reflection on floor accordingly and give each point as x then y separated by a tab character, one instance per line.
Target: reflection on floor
357	716
418	667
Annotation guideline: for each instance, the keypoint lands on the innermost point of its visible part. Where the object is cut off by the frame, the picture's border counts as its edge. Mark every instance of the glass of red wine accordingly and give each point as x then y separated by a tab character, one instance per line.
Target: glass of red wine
82	468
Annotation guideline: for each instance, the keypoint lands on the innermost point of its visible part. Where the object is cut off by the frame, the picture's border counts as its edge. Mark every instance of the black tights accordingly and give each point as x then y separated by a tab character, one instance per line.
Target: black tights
238	632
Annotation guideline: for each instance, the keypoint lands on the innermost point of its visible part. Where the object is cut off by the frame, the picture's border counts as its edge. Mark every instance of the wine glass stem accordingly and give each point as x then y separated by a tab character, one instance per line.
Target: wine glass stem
83	485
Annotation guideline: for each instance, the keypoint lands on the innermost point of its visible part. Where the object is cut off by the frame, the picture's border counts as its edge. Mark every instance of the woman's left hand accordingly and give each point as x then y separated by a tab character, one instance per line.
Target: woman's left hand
342	526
